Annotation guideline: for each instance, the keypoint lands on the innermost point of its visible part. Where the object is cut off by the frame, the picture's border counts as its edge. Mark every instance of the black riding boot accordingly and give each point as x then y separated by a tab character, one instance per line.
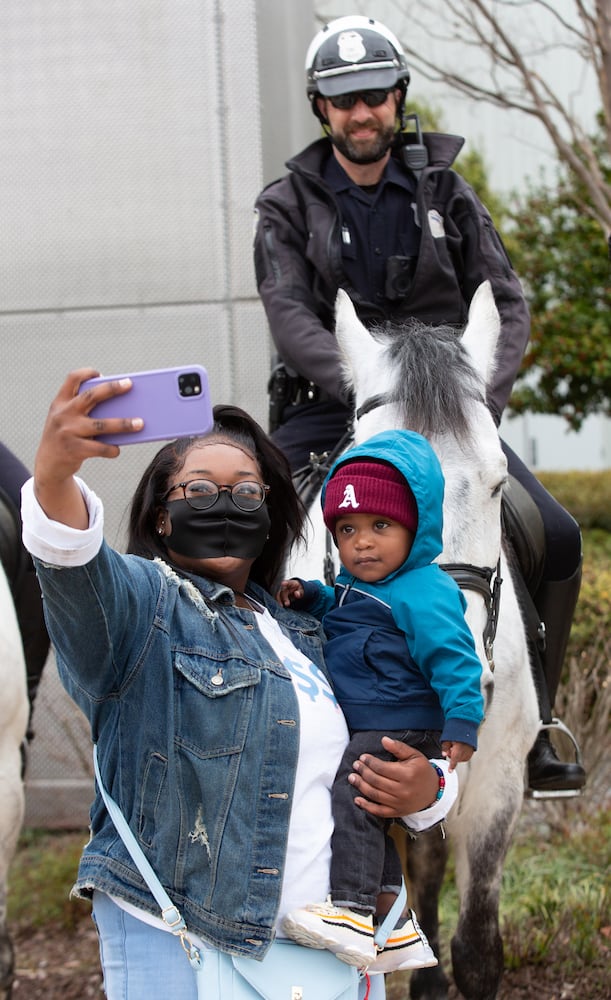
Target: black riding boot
555	601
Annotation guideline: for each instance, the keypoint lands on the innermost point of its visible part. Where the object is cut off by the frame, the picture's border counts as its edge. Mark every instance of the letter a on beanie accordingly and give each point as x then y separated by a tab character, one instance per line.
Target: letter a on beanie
349	500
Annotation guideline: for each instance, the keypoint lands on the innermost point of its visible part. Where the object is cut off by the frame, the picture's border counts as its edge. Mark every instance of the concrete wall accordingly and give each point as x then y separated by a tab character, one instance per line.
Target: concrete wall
547	443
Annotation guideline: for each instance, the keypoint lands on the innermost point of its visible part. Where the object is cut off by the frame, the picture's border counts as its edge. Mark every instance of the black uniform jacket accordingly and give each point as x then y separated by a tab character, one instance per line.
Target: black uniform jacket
298	265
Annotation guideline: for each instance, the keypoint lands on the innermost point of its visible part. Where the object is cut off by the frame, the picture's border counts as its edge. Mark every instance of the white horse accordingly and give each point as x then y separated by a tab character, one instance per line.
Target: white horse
14	709
433	381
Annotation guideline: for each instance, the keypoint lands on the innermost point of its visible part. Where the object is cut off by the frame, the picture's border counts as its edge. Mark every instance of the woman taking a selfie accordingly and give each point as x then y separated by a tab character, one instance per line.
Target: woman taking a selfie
217	732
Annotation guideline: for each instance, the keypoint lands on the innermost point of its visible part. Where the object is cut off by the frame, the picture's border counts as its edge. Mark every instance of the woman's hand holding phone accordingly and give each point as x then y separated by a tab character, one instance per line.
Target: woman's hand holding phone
92	415
68	439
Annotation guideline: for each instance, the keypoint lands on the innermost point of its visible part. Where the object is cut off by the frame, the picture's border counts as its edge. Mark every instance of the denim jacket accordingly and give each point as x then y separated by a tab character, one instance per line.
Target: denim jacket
197	728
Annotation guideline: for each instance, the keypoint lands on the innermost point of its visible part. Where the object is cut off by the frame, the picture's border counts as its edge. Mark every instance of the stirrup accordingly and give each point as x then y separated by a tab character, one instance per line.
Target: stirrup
558	793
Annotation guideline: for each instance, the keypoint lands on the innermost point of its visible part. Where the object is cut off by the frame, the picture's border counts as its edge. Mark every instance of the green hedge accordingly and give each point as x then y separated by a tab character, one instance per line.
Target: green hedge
587	495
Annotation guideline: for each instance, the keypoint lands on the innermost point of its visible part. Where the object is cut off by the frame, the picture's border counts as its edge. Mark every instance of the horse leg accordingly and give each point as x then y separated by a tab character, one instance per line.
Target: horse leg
477	946
426	863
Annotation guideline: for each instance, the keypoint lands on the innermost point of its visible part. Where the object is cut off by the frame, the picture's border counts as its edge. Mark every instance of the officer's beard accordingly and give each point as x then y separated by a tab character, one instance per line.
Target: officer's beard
364	152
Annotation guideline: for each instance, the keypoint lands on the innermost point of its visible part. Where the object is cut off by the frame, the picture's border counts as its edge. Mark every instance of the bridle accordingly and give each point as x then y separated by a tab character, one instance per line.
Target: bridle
468	577
479	579
374	402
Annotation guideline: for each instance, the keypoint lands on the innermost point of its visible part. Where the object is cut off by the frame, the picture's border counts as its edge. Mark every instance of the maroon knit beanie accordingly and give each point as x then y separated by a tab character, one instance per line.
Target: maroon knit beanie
369	488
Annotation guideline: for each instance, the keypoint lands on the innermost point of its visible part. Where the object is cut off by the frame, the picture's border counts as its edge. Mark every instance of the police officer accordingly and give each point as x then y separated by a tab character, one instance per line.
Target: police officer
378	211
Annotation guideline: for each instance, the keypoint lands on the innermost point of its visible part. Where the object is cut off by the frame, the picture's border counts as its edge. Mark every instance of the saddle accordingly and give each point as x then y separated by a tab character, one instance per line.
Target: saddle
523	530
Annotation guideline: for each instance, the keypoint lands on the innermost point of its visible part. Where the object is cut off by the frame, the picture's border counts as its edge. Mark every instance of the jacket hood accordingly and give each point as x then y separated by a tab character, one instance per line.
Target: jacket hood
413	456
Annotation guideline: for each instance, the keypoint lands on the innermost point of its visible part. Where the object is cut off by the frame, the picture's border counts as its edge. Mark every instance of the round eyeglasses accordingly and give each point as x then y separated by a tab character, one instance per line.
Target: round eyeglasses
203	493
372	98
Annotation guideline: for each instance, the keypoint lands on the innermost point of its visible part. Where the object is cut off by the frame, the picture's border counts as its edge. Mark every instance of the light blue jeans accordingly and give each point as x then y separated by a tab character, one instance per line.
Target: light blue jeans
141	962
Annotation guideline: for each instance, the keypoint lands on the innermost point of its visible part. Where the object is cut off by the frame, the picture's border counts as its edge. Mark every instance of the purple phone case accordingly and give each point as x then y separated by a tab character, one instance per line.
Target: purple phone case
155	397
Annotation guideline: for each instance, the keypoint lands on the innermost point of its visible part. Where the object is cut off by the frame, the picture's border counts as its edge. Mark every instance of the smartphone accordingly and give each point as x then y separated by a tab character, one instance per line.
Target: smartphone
173	402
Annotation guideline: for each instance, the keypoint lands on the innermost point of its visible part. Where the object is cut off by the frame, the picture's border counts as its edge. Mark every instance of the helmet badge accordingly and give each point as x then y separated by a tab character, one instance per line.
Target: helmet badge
350	46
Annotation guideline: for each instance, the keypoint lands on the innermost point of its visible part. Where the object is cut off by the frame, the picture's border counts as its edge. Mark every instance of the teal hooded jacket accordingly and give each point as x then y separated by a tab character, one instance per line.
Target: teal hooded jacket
399	651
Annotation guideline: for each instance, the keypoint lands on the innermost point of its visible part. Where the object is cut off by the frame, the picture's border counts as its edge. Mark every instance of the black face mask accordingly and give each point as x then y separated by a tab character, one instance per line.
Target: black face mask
221	530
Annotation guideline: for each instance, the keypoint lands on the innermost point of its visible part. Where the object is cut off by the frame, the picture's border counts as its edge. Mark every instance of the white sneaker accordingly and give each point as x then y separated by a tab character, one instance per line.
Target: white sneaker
405	948
348	934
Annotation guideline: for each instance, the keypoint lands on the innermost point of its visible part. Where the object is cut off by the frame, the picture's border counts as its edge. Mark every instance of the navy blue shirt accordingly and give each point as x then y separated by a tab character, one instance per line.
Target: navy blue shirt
375	225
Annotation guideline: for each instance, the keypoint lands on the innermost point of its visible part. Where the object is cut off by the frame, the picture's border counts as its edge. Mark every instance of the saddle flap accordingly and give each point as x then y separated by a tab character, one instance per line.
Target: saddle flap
523	527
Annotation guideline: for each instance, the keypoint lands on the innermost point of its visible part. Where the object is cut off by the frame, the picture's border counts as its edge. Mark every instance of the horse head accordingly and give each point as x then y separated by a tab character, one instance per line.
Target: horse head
430	380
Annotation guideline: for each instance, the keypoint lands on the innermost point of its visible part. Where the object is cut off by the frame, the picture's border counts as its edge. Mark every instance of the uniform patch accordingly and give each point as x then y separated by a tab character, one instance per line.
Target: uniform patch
436	224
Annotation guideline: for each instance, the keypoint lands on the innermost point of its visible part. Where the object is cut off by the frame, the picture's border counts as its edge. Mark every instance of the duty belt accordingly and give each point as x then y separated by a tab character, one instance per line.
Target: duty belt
286	389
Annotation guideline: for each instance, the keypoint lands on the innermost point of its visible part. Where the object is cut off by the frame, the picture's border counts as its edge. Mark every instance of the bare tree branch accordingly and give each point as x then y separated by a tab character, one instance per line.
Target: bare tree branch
505	35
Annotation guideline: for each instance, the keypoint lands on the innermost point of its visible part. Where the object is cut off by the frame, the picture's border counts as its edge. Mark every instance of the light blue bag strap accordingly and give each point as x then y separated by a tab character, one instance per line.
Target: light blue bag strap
390	920
170	914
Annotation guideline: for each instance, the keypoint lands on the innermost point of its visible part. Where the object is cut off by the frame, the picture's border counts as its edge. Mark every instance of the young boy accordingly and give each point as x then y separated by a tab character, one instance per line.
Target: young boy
402	662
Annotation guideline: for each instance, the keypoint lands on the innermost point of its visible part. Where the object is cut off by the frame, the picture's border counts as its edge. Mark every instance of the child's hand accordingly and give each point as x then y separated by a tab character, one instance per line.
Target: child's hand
289	591
456	752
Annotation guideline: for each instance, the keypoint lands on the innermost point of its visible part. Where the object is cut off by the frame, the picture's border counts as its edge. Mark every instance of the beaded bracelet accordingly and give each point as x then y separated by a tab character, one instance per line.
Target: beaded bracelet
442	780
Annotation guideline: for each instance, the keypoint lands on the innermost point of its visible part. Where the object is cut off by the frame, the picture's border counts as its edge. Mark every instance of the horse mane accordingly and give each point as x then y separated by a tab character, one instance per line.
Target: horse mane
434	378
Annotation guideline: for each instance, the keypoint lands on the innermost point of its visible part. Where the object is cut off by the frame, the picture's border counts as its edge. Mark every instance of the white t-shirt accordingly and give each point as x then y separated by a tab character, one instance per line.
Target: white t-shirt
323	739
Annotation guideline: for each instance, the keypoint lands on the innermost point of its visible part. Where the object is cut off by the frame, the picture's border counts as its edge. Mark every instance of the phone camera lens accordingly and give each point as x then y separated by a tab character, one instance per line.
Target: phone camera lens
190	384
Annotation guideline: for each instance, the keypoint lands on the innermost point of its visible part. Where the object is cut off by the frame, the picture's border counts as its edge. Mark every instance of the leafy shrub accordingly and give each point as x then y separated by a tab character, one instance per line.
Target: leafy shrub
555	902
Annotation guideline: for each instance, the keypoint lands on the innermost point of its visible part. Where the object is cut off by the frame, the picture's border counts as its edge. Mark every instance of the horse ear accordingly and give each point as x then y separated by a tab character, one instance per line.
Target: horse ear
482	331
353	338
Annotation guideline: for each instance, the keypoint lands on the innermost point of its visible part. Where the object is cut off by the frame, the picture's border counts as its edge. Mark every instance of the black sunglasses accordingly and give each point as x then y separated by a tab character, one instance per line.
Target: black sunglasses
372	98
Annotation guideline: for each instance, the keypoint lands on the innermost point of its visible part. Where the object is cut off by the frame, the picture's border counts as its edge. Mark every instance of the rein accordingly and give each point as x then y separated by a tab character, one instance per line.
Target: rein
467	576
